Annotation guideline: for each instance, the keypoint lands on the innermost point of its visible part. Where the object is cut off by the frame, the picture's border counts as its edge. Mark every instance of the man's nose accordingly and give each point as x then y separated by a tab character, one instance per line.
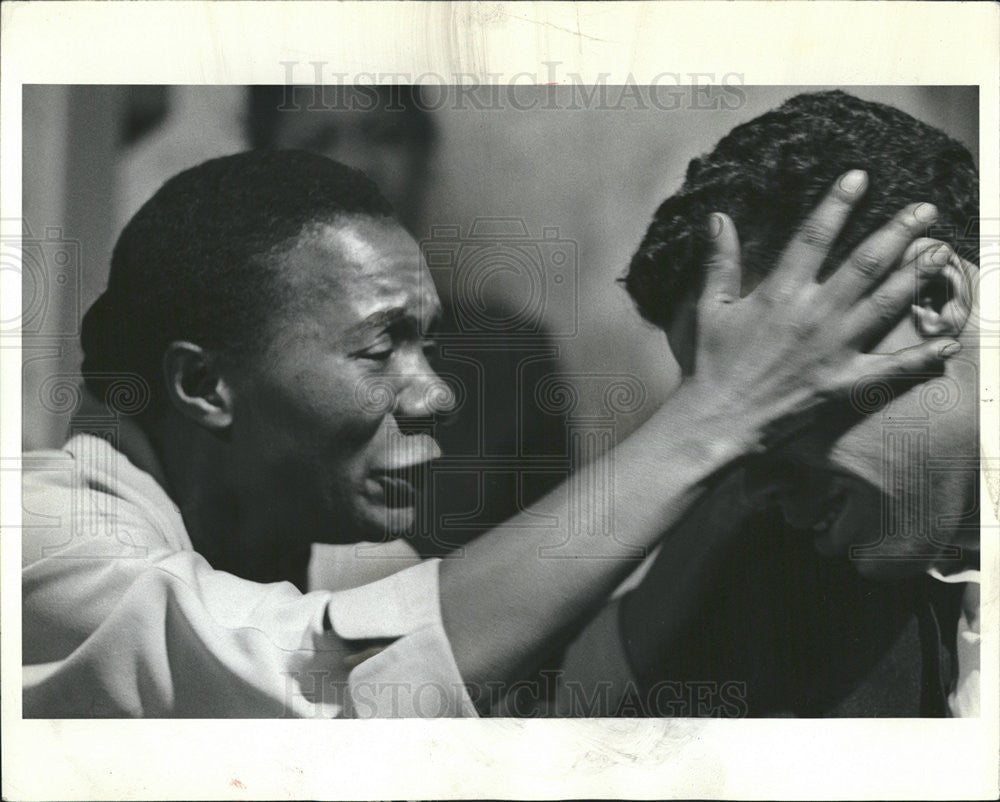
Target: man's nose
424	394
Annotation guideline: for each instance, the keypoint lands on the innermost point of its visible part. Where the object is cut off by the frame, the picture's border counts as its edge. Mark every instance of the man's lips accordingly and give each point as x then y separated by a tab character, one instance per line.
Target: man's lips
400	486
400	476
395	491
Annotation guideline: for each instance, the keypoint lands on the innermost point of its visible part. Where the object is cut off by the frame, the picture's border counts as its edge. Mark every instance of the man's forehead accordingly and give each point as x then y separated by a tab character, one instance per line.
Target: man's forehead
363	245
366	265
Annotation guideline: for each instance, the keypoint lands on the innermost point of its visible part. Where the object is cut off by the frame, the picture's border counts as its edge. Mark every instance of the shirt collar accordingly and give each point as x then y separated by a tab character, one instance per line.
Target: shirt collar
132	441
955	577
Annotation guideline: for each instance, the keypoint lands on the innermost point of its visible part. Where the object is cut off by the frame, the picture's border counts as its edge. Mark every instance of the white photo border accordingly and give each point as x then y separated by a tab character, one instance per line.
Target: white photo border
787	43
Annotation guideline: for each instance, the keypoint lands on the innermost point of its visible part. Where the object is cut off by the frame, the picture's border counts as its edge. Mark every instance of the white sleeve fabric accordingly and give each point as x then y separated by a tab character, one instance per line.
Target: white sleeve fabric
964	699
136	627
415	676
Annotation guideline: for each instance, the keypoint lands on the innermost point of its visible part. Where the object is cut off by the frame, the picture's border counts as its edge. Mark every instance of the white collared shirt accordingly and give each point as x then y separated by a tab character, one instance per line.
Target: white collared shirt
963	701
121	617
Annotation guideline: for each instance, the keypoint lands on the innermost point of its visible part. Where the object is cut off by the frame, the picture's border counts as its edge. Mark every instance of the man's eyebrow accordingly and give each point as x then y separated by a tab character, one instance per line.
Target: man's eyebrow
381	319
393	317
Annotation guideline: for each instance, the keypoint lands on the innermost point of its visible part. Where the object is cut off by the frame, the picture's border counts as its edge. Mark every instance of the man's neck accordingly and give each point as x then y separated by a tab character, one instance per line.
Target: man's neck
245	542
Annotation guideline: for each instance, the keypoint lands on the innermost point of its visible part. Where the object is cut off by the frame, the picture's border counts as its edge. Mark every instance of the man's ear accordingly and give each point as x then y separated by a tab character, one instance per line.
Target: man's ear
197	389
943	304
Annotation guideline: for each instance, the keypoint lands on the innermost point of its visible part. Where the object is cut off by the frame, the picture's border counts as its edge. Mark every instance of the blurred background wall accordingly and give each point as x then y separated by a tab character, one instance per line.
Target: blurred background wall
590	175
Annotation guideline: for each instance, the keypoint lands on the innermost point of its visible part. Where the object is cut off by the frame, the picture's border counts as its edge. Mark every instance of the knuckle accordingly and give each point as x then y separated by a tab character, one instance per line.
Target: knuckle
777	296
815	235
802	327
900	227
716	263
884	307
866	262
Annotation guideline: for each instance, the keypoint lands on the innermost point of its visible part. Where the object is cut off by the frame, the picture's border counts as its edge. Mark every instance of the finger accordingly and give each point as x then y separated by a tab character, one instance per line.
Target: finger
876	256
722	267
886	376
915	364
877	314
802	258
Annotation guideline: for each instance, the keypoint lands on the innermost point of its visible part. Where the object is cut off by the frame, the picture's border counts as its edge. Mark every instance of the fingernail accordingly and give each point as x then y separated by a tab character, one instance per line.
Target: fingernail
715	225
926	213
950	349
941	255
853	181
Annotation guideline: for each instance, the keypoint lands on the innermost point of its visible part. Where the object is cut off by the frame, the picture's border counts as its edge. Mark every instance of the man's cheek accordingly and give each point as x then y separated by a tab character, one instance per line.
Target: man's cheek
913	515
860	453
953	510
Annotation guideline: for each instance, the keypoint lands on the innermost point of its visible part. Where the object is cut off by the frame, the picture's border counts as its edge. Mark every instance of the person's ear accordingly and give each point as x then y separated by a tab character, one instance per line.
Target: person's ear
196	386
942	305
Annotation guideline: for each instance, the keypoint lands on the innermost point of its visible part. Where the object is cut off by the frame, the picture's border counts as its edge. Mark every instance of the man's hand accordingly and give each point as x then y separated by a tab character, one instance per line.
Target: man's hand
771	358
768	358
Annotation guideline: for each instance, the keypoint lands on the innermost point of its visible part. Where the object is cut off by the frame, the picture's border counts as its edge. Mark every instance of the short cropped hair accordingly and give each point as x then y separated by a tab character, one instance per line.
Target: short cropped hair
196	262
769	173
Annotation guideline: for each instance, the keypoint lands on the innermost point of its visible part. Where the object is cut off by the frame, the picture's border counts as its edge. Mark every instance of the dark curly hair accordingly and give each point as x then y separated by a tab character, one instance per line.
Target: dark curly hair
767	174
195	262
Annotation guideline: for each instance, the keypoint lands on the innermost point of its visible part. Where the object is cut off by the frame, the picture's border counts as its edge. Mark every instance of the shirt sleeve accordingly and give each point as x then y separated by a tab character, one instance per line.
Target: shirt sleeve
411	671
157	632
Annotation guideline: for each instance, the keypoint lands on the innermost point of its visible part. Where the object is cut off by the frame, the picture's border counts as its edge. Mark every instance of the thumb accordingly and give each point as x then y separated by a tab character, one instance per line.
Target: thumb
723	275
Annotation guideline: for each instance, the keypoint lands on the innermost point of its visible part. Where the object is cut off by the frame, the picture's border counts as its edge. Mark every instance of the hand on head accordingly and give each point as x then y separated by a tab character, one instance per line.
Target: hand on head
794	343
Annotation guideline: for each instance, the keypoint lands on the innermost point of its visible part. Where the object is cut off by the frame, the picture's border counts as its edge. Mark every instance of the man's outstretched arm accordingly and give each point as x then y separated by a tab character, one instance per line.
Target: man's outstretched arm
763	364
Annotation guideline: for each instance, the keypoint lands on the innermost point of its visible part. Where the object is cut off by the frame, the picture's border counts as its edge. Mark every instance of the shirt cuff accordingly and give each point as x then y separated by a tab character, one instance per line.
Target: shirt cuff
411	672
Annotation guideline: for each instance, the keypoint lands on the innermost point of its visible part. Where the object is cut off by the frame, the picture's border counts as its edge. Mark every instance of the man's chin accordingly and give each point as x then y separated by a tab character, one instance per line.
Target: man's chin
381	523
365	522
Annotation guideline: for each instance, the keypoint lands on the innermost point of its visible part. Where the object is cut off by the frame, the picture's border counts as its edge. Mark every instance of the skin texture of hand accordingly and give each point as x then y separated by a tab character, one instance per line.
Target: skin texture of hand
793	343
762	363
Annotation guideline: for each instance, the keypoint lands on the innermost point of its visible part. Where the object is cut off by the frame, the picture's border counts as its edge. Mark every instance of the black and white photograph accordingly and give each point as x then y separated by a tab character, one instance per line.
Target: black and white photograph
652	400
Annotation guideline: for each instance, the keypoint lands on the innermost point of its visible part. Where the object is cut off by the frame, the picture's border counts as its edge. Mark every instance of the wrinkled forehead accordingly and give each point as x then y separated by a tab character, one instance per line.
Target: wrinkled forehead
354	266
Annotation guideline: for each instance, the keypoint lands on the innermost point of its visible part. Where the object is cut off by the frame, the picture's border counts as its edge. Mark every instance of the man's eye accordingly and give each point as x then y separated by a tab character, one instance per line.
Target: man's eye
377	354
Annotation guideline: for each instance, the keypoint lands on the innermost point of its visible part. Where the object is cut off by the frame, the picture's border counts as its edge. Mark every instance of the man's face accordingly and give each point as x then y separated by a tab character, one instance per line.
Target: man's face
316	431
890	487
